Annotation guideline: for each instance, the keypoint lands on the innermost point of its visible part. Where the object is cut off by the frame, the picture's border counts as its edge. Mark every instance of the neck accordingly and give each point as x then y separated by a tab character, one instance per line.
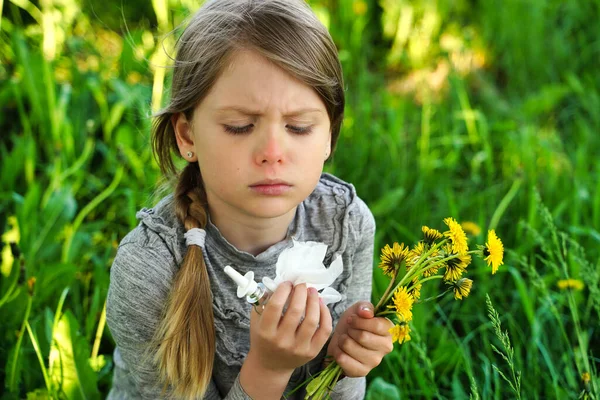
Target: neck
250	234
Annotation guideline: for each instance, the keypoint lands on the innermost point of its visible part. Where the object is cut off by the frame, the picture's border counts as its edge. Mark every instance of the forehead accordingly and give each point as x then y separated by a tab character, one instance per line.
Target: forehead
251	81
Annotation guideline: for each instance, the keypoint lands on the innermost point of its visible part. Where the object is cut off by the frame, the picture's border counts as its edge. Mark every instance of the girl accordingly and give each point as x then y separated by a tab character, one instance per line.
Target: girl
256	107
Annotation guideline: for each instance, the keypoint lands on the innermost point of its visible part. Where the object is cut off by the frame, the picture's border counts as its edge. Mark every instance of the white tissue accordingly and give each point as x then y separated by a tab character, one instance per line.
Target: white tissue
303	263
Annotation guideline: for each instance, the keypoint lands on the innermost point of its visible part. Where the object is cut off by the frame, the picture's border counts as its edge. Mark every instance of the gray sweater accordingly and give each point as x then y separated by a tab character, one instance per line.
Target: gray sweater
148	258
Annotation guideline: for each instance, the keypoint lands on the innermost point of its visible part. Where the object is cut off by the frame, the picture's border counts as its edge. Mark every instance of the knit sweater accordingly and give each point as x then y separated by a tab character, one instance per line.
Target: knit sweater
149	256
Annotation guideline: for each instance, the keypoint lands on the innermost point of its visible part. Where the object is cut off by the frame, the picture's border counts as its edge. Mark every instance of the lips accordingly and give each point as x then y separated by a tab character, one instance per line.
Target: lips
271	187
267	182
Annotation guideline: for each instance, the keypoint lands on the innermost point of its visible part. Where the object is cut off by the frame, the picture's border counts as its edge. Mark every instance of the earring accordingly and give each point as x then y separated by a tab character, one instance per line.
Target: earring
190	154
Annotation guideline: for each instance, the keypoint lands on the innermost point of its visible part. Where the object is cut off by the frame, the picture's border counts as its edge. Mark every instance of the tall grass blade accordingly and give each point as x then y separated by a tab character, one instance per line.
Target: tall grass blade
508	353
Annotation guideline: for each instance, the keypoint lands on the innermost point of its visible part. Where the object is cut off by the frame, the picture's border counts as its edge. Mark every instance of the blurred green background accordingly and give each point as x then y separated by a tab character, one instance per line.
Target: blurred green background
487	111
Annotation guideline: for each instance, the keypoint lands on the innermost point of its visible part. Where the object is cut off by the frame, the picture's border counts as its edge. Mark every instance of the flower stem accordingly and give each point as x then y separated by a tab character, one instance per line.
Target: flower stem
382	313
434	297
425	280
387	291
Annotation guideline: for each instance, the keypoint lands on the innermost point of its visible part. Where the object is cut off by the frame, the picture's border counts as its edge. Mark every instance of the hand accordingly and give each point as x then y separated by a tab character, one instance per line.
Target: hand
283	343
360	340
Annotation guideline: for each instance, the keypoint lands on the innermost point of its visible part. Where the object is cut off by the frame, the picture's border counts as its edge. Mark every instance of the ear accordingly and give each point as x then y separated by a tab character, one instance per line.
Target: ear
328	147
184	136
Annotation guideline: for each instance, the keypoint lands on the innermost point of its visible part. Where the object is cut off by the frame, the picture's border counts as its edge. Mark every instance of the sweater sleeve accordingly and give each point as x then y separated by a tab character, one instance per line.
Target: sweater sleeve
140	281
359	289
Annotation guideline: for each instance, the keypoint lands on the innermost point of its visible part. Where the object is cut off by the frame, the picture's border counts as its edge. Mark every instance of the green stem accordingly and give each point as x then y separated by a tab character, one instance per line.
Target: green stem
382	313
434	297
387	291
13	371
15	270
415	269
420	281
38	352
70	233
99	332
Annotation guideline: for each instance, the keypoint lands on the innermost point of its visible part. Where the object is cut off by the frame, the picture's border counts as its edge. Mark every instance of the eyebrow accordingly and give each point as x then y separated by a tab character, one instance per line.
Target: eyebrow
255	113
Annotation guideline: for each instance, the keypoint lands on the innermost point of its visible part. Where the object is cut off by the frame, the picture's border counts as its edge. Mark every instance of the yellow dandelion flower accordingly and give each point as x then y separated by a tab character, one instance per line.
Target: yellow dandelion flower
415	292
585	377
430	271
471	227
456	266
493	251
359	7
570	284
461	288
430	235
457	236
414	254
392	258
403	303
400	333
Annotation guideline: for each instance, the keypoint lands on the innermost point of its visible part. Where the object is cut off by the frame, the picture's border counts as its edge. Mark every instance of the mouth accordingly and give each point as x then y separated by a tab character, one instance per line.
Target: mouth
271	187
271	182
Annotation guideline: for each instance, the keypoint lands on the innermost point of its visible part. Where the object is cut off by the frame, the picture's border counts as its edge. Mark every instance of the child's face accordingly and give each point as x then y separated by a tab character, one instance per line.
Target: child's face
283	133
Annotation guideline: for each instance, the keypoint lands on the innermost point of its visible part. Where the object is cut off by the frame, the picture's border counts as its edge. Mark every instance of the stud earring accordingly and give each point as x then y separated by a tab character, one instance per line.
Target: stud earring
190	154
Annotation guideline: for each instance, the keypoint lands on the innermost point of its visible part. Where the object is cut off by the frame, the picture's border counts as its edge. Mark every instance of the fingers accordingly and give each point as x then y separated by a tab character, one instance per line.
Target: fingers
295	311
307	328
325	327
365	309
274	308
371	341
350	365
355	358
379	325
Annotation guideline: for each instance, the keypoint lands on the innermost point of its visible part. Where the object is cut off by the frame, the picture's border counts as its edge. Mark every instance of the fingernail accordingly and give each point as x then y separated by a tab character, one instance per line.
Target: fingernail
365	308
312	291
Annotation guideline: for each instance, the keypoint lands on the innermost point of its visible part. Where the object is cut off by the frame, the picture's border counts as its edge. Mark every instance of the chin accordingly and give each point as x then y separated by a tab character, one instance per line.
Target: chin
272	208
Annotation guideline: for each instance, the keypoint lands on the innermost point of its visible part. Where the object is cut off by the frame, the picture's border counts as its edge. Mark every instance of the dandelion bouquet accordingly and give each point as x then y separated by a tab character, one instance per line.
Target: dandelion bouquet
438	255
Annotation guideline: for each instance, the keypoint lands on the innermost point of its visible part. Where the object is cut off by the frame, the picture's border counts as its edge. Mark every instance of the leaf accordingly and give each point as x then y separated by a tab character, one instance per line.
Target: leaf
313	385
38	394
12	163
13	369
388	202
379	389
545	100
70	370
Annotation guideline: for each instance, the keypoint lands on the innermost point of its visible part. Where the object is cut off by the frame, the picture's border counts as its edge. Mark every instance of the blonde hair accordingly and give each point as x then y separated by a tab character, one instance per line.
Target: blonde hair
287	33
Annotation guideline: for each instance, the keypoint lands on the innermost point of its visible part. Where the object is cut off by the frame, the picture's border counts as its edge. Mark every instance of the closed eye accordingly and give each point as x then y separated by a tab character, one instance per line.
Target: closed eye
300	130
239	130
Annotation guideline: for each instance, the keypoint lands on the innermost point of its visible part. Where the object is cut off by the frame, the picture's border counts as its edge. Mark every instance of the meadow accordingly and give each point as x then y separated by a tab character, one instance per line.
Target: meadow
486	111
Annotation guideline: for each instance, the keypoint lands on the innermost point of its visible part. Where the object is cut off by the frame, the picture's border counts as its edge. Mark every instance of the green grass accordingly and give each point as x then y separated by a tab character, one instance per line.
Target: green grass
486	112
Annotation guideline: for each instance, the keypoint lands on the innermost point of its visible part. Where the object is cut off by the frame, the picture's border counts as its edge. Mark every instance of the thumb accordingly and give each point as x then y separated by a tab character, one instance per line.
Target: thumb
365	309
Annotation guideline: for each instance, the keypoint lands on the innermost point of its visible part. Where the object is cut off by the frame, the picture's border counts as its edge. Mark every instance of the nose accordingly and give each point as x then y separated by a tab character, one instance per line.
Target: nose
270	148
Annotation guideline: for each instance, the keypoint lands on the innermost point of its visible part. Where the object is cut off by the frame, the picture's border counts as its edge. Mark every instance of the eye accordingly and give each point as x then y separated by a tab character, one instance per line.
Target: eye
238	130
300	130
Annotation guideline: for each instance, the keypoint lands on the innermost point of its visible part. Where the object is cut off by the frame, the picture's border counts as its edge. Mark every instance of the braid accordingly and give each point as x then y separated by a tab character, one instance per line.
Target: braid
186	337
190	198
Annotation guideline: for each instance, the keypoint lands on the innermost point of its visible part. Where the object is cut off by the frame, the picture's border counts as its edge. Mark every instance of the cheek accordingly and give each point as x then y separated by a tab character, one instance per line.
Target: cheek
220	169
